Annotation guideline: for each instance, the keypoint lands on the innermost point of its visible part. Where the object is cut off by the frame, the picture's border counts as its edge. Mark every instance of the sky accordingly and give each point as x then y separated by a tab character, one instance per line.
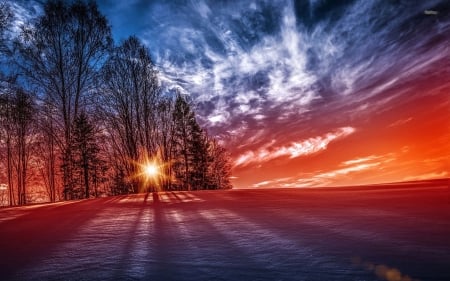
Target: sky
305	93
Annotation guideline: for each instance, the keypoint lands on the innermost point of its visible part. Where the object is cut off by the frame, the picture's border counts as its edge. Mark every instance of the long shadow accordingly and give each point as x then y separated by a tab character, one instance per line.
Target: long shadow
281	220
27	239
120	270
207	254
162	241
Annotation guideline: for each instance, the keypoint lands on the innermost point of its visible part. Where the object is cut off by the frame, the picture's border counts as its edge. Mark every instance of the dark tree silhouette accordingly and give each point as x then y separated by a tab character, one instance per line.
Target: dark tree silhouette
198	156
219	171
60	54
87	164
16	113
182	118
130	98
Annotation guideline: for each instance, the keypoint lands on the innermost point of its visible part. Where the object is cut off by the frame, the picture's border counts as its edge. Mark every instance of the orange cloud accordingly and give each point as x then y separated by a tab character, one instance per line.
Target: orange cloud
428	176
294	149
322	178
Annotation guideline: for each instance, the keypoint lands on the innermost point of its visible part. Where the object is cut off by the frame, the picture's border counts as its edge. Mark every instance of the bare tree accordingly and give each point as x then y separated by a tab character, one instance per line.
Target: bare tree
220	167
47	148
182	116
130	98
16	107
22	117
165	139
60	54
6	134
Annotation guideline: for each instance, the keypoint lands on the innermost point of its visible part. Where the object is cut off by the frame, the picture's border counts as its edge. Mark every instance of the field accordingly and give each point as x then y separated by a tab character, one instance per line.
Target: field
385	232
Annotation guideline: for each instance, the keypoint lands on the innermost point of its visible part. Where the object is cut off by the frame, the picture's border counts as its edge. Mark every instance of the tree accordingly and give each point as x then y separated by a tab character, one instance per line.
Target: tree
87	164
220	167
22	118
130	98
16	112
190	148
182	116
198	155
47	148
6	135
165	139
60	54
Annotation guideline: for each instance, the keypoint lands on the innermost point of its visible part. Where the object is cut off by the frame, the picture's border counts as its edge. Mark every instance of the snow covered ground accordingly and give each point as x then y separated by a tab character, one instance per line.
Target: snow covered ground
395	233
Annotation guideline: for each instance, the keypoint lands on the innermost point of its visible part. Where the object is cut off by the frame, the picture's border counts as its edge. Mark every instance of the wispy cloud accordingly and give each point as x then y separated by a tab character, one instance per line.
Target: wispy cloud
428	176
400	122
23	12
294	149
362	160
330	177
265	65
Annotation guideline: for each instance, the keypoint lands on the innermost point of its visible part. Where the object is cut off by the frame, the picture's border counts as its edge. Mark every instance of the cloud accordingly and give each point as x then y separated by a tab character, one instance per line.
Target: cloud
269	64
271	183
362	160
24	12
400	122
330	177
294	149
272	70
347	170
428	176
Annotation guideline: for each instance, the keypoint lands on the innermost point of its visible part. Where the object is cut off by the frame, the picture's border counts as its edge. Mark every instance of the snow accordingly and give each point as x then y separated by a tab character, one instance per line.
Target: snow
373	233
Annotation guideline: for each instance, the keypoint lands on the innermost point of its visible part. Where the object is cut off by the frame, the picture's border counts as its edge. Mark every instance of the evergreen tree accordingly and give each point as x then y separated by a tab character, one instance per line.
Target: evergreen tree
182	118
198	156
88	167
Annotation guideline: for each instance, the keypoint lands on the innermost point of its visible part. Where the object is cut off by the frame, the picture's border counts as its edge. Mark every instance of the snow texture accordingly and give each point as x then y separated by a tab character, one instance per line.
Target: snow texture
370	233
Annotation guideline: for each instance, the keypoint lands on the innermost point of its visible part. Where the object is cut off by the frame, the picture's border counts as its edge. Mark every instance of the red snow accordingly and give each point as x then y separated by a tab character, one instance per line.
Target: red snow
385	232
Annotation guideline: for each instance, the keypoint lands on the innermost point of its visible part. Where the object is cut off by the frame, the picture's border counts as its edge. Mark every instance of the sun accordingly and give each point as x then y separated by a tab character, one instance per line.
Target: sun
151	170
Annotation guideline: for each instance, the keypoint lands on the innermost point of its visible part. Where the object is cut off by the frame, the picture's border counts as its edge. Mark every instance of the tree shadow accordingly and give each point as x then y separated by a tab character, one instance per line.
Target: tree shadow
27	239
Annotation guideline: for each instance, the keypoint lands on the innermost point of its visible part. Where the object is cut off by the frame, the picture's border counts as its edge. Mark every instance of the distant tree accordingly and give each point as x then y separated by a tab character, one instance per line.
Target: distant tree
191	149
60	54
219	172
182	118
198	155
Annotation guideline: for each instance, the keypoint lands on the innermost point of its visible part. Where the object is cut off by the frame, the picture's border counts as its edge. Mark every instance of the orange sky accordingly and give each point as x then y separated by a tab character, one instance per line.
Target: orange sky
408	141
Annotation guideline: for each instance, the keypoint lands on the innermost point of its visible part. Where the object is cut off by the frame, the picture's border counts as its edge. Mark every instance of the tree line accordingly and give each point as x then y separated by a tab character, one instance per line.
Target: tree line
80	115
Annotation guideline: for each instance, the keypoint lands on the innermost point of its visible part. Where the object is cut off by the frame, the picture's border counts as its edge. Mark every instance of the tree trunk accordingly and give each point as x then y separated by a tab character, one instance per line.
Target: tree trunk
10	170
86	176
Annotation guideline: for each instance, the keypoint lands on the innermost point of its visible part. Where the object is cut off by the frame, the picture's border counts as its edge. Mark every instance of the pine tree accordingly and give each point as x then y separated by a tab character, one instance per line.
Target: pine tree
181	138
198	156
88	166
